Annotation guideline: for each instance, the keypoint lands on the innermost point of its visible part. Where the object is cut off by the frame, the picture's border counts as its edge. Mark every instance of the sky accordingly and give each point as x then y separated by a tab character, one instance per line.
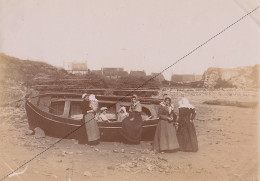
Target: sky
145	35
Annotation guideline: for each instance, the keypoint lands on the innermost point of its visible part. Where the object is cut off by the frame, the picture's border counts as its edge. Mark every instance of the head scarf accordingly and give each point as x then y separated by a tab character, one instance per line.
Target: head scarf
124	110
92	97
134	96
167	97
84	95
103	108
184	103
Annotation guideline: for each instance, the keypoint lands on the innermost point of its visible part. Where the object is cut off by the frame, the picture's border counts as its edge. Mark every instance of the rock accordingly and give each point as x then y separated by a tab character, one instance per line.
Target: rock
29	132
149	167
64	153
161	170
141	159
132	152
96	149
39	133
145	151
237	77
115	151
111	168
161	158
123	150
88	174
131	165
162	166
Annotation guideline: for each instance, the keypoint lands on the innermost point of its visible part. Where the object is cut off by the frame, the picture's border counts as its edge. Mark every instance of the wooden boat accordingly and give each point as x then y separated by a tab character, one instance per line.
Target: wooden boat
59	115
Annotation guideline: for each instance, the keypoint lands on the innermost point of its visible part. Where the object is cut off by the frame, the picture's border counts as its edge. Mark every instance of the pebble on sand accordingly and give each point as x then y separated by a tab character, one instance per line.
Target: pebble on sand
111	168
88	174
59	161
29	132
39	133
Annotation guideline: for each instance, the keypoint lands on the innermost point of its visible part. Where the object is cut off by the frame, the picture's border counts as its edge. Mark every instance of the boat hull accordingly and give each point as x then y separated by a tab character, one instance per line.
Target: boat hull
62	127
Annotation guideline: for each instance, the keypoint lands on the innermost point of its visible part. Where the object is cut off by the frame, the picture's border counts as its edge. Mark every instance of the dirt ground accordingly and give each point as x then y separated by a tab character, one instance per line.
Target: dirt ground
228	149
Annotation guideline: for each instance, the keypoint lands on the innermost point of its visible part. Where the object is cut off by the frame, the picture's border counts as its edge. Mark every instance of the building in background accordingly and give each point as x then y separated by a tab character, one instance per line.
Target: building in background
76	67
114	73
137	73
185	77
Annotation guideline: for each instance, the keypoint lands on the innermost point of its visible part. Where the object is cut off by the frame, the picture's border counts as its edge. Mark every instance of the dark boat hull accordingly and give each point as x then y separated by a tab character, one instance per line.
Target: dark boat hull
62	127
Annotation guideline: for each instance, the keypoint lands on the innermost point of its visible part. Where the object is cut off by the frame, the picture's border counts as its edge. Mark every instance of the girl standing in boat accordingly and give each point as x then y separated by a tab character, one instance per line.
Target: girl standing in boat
165	138
132	125
89	113
122	114
186	132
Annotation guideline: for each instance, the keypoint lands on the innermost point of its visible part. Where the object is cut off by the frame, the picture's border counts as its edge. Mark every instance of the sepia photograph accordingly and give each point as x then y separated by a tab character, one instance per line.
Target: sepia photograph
133	90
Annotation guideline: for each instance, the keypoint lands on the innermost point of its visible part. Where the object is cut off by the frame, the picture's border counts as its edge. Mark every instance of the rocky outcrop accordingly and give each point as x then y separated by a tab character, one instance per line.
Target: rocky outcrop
241	77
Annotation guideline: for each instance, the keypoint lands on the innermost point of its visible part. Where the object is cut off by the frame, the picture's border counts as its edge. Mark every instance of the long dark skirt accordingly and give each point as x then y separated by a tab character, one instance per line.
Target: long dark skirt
92	129
187	137
132	129
165	138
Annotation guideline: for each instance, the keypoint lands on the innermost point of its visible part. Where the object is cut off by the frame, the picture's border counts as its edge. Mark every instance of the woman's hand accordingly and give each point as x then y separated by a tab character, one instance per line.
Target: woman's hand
96	117
170	119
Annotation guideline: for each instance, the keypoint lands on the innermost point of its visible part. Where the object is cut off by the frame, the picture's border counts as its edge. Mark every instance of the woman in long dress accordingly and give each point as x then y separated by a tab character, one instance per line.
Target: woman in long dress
165	138
186	131
91	121
132	125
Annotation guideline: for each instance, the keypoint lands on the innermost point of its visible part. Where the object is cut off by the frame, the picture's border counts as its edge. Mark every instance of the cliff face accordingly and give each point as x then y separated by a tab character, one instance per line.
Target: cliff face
241	77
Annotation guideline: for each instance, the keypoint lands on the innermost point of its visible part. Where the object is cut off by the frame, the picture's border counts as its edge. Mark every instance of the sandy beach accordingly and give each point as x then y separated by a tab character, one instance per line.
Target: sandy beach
227	136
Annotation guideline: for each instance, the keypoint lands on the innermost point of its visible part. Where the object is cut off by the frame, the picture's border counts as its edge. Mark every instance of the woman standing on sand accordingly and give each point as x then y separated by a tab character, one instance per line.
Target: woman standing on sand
186	132
132	125
91	120
165	136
